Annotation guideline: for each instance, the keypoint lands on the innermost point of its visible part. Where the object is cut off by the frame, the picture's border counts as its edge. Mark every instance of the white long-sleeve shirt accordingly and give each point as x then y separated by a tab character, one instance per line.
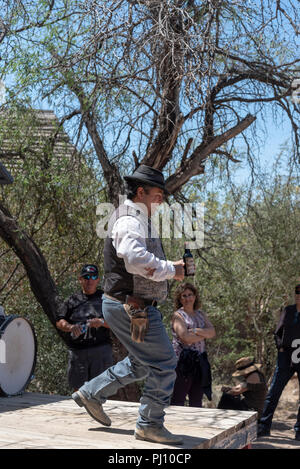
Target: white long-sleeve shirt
128	238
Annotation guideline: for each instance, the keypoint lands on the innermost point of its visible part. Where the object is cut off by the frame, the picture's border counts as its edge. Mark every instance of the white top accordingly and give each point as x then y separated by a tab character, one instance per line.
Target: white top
128	238
191	321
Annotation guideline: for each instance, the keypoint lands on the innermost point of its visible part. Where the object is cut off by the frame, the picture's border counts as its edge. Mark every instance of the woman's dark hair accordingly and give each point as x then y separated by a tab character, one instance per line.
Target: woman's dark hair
132	186
180	289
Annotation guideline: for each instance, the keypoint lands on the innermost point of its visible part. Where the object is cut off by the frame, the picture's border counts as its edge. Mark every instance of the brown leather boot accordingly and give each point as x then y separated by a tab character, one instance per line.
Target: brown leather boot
157	435
93	408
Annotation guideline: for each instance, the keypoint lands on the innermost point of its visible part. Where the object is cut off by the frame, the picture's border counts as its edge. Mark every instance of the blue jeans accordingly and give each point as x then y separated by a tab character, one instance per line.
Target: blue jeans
282	374
153	360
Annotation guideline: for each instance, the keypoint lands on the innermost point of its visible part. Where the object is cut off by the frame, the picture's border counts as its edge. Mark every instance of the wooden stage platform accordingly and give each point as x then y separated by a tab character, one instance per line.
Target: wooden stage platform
40	421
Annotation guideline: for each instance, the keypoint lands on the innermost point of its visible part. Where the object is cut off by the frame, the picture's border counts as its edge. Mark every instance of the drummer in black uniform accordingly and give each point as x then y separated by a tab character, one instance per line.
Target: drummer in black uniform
87	334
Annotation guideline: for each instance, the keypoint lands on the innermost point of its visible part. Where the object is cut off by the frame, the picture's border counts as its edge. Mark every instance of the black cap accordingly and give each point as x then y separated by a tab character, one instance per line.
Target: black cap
89	269
147	175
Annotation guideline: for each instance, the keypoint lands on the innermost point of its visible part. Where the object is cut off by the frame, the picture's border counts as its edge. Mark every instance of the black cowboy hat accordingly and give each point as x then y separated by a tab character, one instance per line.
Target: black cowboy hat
147	175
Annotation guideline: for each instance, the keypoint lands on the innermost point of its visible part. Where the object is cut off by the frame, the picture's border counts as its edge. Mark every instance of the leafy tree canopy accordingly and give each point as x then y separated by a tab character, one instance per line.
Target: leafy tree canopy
173	84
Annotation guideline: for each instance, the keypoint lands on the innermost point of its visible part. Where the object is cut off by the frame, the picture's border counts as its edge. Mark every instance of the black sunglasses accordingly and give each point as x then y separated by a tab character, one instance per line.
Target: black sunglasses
88	277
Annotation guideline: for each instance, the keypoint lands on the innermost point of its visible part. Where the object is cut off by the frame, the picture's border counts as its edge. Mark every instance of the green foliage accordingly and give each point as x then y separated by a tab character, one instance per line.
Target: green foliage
108	59
53	198
247	269
245	272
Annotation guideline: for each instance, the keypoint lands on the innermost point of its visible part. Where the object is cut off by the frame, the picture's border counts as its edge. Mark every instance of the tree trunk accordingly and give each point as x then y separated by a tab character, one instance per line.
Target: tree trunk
41	282
44	288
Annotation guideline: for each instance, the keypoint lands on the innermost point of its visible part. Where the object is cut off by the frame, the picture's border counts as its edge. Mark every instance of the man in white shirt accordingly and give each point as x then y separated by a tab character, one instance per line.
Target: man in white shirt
135	266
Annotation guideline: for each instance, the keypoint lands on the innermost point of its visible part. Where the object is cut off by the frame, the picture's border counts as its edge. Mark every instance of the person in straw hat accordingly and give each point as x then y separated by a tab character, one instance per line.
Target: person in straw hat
252	387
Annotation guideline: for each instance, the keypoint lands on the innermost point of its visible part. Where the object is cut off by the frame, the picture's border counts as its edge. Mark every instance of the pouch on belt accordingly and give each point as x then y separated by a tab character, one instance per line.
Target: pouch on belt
138	314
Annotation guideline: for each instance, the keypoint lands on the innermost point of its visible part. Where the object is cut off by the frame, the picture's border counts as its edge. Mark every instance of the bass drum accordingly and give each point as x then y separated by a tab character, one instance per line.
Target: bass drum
18	350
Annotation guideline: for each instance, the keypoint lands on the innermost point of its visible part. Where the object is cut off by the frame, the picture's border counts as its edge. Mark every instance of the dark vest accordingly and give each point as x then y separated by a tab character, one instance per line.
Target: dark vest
117	281
289	329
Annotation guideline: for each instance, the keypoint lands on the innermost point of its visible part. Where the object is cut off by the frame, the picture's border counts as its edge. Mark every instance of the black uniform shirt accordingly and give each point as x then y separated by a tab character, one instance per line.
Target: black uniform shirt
77	309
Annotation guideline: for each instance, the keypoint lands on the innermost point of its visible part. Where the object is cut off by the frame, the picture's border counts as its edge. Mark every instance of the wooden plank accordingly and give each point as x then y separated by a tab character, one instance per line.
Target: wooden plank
42	421
237	440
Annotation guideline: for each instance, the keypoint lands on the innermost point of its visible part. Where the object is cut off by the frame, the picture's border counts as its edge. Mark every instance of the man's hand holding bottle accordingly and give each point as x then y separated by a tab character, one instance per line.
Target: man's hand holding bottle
179	270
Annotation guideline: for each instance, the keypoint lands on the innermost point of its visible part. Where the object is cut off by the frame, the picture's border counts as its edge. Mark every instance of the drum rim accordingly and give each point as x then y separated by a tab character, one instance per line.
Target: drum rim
6	321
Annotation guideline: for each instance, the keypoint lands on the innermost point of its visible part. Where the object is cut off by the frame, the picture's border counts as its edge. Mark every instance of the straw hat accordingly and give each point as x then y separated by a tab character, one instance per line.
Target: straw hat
245	365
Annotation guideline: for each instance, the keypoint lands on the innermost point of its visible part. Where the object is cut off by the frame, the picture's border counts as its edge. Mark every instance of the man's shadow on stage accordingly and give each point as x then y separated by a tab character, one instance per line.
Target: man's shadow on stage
188	441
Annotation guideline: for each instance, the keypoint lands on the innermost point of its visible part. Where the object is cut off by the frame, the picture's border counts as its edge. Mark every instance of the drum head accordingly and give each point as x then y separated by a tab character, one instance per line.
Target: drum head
17	355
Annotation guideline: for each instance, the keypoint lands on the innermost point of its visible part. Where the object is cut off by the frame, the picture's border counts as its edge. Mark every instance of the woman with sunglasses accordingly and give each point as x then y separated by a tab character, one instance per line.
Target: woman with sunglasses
190	328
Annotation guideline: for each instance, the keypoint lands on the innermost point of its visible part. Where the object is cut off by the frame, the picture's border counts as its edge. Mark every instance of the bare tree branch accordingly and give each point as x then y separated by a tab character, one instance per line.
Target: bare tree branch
3	30
194	165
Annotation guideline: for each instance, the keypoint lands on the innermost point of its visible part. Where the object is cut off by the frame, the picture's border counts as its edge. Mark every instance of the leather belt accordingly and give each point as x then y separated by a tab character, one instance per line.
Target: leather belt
146	302
112	298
